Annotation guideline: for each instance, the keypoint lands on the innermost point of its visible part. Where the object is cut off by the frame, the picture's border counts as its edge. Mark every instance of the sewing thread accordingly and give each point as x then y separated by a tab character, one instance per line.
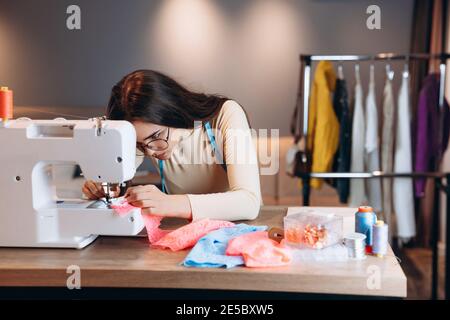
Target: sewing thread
380	238
6	104
364	221
356	245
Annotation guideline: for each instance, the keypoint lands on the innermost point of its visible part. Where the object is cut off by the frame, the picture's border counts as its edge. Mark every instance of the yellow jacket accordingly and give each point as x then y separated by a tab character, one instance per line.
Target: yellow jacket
323	125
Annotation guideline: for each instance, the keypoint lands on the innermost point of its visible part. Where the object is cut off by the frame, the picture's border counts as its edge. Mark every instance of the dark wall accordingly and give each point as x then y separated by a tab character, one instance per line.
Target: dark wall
247	50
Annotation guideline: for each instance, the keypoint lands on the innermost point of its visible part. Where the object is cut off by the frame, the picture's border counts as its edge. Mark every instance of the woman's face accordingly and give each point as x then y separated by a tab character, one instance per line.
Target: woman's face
149	134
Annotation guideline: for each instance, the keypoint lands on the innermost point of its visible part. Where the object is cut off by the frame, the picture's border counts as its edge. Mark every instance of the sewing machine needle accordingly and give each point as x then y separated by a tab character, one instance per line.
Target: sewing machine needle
108	197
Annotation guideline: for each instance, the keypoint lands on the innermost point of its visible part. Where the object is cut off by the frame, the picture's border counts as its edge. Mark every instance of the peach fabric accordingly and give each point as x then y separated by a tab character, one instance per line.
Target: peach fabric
258	250
188	235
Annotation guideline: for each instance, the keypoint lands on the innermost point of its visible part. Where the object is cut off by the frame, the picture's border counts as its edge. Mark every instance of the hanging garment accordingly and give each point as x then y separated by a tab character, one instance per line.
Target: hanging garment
357	186
209	252
323	126
258	250
403	187
342	157
428	151
429	146
424	217
387	146
371	146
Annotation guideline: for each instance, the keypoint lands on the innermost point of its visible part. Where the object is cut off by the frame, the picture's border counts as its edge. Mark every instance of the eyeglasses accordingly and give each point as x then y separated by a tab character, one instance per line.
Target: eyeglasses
156	144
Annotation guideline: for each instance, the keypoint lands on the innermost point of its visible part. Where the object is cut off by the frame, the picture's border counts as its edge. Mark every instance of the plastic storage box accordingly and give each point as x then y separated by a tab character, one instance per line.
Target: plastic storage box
314	230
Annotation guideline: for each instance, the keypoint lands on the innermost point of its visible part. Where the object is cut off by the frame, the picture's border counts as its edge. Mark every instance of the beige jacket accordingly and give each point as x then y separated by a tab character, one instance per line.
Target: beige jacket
214	193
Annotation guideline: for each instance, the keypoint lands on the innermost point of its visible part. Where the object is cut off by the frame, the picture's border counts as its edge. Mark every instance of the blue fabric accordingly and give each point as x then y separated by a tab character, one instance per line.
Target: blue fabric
209	252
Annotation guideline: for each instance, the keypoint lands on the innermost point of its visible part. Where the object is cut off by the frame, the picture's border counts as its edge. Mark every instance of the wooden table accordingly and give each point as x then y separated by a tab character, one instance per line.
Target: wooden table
129	262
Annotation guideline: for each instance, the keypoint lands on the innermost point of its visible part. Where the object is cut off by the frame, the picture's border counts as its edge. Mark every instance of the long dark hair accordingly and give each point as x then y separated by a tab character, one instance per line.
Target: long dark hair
153	97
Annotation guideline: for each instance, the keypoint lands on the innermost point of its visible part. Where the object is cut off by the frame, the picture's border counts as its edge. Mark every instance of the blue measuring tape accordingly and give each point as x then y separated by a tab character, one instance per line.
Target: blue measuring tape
161	173
212	140
216	150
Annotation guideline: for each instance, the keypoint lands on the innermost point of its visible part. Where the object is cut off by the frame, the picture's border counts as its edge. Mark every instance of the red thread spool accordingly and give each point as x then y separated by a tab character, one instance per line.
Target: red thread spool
6	103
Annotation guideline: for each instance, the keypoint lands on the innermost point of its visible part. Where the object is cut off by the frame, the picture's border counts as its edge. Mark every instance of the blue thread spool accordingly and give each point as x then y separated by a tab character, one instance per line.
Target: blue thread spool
364	221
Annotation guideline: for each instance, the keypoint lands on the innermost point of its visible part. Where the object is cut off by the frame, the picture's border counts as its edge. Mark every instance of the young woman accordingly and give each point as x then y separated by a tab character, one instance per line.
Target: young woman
201	144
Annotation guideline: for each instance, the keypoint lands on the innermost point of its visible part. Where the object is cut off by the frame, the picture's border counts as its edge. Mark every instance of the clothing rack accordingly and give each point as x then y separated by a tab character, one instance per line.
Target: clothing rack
439	177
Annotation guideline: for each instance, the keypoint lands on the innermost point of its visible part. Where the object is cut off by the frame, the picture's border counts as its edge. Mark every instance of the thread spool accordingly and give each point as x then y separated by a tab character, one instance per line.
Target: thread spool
276	234
356	245
364	221
380	239
6	103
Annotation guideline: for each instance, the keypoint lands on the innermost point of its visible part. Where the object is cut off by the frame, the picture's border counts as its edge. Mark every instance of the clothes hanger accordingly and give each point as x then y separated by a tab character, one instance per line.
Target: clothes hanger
406	68
389	71
340	71
372	73
357	75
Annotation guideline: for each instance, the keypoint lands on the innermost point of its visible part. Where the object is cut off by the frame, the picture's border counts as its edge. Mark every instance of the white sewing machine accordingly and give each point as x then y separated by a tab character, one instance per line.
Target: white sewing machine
30	213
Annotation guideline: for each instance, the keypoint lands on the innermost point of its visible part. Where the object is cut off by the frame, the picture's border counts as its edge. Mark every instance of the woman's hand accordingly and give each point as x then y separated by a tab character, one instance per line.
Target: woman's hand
153	201
94	190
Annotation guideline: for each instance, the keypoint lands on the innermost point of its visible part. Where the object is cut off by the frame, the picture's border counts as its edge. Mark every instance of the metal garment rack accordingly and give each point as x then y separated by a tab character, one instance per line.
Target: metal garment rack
439	177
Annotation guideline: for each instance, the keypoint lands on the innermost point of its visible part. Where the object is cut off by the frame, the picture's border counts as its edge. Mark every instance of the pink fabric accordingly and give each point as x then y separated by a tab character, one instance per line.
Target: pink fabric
122	207
258	250
151	222
179	239
188	235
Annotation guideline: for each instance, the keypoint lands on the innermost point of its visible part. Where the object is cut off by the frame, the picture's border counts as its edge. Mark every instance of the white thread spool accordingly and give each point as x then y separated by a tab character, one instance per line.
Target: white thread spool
356	245
380	238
